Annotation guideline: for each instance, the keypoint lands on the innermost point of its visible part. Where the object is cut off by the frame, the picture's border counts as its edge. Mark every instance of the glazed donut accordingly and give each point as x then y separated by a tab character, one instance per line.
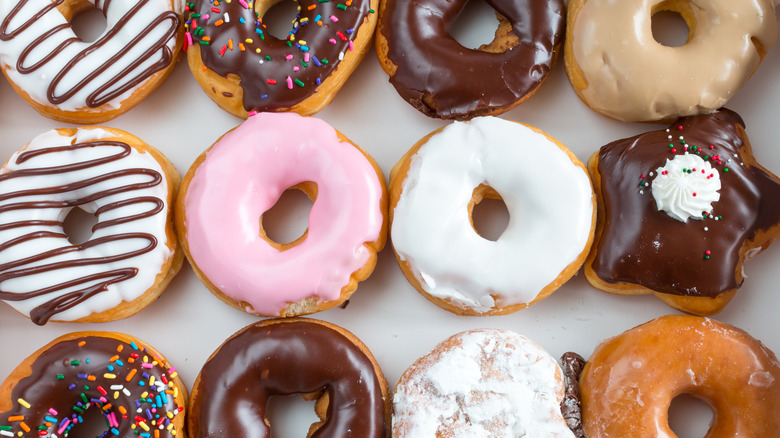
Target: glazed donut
483	383
434	188
316	359
245	69
619	70
630	380
679	212
127	381
231	185
69	80
443	79
132	253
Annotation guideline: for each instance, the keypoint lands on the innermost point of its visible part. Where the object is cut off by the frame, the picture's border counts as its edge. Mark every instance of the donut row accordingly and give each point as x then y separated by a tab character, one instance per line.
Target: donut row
478	383
246	69
679	211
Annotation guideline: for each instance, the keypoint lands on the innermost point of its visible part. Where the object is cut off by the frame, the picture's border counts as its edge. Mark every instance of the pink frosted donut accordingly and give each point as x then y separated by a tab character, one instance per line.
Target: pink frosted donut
229	188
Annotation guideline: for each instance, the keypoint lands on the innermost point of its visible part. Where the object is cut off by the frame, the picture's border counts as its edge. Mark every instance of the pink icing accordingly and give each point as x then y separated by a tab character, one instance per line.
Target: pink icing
243	176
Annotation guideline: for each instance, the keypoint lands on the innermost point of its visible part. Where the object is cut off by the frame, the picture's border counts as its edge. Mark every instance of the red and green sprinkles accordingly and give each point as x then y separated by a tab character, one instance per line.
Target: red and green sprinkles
128	374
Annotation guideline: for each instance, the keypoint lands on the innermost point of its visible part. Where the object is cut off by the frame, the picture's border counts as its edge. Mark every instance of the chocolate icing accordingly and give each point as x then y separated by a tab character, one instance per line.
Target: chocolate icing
287	358
644	246
59	381
571	406
264	75
98	281
109	91
443	79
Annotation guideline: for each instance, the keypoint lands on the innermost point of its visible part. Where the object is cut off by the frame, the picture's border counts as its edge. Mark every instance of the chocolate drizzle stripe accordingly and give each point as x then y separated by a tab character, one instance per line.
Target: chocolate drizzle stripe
73	291
124	81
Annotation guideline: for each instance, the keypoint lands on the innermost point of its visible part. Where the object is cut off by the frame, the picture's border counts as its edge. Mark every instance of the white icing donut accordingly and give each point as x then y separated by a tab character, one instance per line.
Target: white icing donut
481	383
551	216
43	275
63	76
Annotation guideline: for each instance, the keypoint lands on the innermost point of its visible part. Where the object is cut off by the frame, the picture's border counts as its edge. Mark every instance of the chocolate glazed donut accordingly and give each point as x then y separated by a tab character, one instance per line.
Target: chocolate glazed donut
285	357
443	79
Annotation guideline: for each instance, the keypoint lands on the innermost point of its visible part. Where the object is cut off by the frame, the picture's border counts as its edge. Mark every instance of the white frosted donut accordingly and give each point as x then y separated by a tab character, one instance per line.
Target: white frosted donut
551	216
619	70
71	80
481	383
132	253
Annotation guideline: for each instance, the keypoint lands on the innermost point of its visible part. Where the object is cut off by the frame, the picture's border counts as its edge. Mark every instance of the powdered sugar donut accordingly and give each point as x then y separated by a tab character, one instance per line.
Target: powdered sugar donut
481	383
231	185
70	80
132	253
434	189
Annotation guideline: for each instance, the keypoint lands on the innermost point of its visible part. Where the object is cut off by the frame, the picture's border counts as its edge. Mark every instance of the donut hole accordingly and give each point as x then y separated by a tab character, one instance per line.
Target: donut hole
290	415
88	24
689	416
488	213
93	424
286	223
278	16
471	28
78	225
670	28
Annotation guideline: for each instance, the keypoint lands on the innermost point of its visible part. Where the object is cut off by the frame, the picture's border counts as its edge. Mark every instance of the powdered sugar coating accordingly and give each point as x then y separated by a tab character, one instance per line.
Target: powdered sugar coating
481	383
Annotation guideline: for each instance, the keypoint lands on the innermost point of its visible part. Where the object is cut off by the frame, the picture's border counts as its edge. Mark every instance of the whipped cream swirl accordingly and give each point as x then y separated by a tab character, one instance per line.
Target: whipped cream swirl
686	186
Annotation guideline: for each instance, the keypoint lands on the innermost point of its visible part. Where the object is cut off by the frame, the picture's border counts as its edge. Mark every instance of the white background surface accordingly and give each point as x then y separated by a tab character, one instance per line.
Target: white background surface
187	323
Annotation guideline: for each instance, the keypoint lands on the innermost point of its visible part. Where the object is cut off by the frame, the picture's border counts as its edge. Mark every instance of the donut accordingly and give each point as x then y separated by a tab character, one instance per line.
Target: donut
57	389
133	252
630	380
443	79
230	186
680	210
318	360
484	382
619	70
74	81
434	188
244	69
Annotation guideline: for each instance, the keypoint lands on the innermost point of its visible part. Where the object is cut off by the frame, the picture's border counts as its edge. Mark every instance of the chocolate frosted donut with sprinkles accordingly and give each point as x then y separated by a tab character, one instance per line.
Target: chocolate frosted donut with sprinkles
55	391
132	253
245	69
75	81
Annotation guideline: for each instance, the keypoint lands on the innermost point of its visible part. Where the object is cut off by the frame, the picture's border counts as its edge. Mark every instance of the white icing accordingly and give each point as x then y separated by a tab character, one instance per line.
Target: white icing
148	264
686	187
550	205
492	383
38	81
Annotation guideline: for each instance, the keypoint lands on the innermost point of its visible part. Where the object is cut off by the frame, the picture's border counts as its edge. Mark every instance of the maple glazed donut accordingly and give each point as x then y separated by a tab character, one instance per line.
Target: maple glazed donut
619	69
128	382
318	360
133	252
629	381
481	383
434	188
245	69
441	78
231	185
680	210
70	80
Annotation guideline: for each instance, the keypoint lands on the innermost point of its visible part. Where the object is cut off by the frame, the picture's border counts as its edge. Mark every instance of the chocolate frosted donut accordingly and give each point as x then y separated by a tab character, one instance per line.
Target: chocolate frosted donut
290	356
129	383
680	210
443	79
243	68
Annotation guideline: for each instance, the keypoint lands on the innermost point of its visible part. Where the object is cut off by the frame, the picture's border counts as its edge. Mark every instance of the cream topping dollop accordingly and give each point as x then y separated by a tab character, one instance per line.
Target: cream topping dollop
686	186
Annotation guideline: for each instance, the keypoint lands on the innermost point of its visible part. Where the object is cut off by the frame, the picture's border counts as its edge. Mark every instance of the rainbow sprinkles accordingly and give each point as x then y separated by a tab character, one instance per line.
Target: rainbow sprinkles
132	388
275	74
